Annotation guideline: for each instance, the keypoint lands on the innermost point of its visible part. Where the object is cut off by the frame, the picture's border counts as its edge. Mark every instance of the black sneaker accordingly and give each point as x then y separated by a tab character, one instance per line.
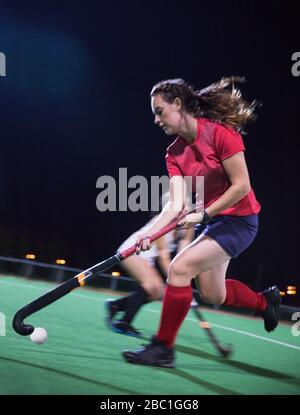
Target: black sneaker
153	354
271	313
111	310
124	328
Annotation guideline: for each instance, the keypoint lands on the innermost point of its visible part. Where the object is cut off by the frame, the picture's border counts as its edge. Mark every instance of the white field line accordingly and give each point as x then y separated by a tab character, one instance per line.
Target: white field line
245	333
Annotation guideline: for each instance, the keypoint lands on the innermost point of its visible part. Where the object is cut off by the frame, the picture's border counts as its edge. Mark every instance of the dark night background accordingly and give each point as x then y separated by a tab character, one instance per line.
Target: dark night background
75	106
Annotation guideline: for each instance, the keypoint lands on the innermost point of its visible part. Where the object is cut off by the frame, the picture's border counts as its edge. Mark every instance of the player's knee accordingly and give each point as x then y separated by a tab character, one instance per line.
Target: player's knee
177	270
154	291
178	273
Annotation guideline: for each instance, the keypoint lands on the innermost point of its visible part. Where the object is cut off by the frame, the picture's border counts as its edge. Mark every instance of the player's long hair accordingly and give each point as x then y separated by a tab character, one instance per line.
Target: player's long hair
221	101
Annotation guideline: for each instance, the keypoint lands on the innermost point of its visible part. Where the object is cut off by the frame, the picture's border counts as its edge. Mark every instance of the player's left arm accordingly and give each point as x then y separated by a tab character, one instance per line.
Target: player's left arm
237	172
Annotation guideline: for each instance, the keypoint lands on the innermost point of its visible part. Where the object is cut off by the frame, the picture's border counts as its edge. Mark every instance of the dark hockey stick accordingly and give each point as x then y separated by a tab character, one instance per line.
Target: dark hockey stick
224	350
79	280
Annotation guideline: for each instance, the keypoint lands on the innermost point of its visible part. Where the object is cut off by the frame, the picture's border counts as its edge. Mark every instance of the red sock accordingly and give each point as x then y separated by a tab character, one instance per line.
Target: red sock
239	295
177	301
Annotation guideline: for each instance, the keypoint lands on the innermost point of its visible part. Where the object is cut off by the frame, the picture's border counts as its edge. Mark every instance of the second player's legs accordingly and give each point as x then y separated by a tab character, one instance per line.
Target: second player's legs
148	277
150	287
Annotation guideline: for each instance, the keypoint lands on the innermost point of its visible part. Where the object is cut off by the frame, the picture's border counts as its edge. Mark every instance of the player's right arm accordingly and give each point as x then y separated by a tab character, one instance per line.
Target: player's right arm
171	211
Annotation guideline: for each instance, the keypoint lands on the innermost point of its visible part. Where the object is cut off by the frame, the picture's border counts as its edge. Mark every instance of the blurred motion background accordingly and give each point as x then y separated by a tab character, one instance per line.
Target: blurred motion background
75	106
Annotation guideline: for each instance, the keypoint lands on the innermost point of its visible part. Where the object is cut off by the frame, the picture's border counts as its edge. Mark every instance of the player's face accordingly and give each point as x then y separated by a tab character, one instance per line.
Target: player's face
167	116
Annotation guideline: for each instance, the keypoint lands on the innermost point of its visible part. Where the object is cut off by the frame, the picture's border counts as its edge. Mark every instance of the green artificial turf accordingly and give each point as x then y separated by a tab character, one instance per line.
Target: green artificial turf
82	356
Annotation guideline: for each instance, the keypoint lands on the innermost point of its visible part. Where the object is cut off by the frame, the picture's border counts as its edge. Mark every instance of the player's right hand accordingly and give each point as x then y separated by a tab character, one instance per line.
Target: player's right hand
142	243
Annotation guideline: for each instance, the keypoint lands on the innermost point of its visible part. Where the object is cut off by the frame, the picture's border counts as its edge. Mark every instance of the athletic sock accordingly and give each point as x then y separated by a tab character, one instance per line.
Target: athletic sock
239	295
121	303
134	303
177	301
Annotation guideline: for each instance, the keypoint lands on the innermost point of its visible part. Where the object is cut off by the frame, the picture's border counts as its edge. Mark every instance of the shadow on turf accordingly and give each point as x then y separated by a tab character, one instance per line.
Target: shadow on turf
71	375
207	385
256	370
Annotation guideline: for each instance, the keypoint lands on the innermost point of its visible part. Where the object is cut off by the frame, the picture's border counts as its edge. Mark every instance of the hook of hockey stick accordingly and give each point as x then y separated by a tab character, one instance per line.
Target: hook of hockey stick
80	279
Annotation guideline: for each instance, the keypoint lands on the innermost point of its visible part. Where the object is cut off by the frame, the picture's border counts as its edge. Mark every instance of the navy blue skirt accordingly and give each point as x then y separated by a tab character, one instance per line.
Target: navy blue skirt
233	233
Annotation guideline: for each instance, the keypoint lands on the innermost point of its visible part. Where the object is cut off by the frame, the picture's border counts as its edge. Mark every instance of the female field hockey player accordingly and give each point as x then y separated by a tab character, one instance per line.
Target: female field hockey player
208	124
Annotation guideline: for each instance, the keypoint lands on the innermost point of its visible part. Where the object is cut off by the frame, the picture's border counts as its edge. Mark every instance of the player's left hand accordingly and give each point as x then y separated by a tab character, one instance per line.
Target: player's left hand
190	220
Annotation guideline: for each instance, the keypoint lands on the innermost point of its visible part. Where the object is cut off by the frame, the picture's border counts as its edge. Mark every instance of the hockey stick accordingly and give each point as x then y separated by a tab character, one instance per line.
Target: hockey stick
224	350
80	279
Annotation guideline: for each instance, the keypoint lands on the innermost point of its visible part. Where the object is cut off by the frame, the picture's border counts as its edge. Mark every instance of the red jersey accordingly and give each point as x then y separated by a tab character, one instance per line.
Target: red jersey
213	144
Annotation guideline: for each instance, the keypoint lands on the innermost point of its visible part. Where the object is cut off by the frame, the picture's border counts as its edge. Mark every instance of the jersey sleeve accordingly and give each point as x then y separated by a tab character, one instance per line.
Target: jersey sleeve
172	166
227	142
